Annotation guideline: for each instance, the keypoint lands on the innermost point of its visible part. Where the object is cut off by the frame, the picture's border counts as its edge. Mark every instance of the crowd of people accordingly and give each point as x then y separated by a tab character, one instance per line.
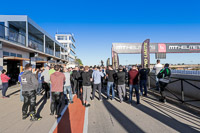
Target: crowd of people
60	83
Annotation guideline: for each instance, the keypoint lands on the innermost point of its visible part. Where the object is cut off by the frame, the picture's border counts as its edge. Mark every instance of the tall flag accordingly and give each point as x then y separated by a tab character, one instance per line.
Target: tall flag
145	54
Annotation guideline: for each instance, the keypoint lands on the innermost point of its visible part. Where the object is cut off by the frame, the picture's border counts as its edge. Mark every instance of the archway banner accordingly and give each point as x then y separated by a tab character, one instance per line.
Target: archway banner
145	53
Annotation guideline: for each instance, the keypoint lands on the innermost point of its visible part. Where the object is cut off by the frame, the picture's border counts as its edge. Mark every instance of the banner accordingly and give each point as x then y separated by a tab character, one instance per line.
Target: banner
145	54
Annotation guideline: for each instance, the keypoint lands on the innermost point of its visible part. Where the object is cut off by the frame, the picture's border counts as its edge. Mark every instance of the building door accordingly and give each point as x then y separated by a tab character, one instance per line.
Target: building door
13	70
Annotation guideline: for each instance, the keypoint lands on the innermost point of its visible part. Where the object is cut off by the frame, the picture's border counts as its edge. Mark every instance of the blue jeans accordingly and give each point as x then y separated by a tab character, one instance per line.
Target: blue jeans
109	85
69	90
39	88
143	83
21	97
136	92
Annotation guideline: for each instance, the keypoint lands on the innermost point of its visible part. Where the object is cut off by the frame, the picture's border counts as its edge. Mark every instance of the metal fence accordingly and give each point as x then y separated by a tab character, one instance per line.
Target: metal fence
12	35
186	72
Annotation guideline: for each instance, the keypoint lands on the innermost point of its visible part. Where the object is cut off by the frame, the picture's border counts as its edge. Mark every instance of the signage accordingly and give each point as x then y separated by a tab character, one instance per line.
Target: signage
145	54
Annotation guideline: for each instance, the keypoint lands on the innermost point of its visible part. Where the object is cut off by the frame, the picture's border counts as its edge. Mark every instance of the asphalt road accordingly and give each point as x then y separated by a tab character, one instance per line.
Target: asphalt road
150	116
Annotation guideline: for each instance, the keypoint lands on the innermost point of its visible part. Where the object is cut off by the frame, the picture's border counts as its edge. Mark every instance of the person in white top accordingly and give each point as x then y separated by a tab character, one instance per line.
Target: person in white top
157	69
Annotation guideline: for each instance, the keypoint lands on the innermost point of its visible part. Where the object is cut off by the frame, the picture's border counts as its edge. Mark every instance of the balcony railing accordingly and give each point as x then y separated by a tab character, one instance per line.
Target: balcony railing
35	45
12	35
58	54
49	51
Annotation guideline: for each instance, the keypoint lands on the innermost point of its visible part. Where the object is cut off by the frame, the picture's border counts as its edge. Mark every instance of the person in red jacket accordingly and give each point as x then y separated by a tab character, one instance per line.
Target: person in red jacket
4	79
133	83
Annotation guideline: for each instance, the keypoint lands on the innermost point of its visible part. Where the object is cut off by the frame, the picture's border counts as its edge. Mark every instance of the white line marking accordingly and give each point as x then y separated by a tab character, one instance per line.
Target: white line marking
85	128
58	120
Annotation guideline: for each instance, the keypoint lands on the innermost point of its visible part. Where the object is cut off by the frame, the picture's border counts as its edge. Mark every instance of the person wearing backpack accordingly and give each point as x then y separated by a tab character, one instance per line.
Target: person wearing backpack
164	78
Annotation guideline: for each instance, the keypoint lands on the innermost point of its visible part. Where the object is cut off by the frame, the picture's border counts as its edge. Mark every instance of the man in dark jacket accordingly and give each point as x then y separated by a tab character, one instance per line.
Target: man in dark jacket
110	73
29	87
121	83
75	76
143	80
164	78
87	79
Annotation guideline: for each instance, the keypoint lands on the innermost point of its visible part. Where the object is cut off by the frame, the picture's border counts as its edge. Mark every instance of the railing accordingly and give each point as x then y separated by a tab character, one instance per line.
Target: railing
35	45
12	35
186	72
182	92
58	54
49	51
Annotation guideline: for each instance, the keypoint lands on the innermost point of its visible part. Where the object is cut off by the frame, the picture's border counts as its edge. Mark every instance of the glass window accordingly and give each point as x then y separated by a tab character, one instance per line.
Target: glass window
13	54
19	55
5	53
60	38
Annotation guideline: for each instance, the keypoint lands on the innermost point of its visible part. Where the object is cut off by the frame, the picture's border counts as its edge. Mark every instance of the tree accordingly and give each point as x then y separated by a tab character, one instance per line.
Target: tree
79	61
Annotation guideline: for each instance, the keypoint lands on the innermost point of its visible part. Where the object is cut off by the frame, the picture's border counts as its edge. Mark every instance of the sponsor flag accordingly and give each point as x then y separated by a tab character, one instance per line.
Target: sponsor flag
145	54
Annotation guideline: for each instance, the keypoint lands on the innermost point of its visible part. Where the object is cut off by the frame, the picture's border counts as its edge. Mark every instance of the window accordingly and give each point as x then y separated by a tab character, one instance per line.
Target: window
13	54
60	38
19	55
5	53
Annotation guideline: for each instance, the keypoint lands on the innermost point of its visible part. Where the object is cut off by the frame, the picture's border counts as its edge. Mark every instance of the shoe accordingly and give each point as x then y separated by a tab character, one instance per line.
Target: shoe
58	116
83	104
88	105
92	99
100	100
120	101
51	113
34	118
138	103
24	116
71	102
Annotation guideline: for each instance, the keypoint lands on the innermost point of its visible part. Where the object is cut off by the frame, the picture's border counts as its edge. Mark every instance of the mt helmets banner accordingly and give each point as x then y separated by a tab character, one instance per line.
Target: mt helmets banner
145	54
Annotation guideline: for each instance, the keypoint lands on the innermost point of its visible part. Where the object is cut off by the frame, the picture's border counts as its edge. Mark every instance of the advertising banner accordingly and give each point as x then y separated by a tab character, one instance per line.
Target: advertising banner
145	54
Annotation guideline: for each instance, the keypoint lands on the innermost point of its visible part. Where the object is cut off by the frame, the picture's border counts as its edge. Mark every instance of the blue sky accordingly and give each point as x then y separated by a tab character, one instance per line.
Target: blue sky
97	24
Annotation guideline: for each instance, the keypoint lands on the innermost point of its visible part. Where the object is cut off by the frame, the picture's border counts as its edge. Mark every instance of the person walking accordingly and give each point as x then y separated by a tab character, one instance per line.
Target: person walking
57	81
164	78
75	76
4	79
121	76
110	74
29	87
96	76
157	69
143	80
133	83
87	79
67	85
19	79
40	82
46	81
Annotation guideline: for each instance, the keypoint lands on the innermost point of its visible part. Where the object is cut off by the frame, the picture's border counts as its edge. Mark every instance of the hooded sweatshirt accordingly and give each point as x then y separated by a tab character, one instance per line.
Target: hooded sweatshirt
29	81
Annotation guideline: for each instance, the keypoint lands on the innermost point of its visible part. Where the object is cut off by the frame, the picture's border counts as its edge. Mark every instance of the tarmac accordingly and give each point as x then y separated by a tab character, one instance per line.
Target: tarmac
110	116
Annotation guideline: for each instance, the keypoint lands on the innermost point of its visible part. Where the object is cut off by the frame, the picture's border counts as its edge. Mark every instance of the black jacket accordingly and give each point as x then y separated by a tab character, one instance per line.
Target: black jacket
86	78
121	78
75	75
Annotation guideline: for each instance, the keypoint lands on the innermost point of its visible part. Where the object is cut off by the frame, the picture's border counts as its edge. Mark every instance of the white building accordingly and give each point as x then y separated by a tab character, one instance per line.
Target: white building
68	41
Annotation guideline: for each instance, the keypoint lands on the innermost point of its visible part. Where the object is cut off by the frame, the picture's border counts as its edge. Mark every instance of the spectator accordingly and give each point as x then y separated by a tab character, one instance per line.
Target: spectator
19	78
87	79
164	78
133	83
29	87
46	83
4	79
121	83
67	85
57	81
157	69
143	80
110	74
96	75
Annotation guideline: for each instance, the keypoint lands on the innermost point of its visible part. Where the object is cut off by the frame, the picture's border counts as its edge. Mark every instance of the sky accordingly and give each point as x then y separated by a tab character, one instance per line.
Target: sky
96	24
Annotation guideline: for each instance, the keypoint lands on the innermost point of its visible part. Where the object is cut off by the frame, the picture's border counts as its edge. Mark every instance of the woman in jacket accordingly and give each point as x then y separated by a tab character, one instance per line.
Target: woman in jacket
4	79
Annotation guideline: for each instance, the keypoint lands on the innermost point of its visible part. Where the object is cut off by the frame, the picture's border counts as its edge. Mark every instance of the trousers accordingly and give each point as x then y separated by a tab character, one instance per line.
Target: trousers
29	101
56	102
